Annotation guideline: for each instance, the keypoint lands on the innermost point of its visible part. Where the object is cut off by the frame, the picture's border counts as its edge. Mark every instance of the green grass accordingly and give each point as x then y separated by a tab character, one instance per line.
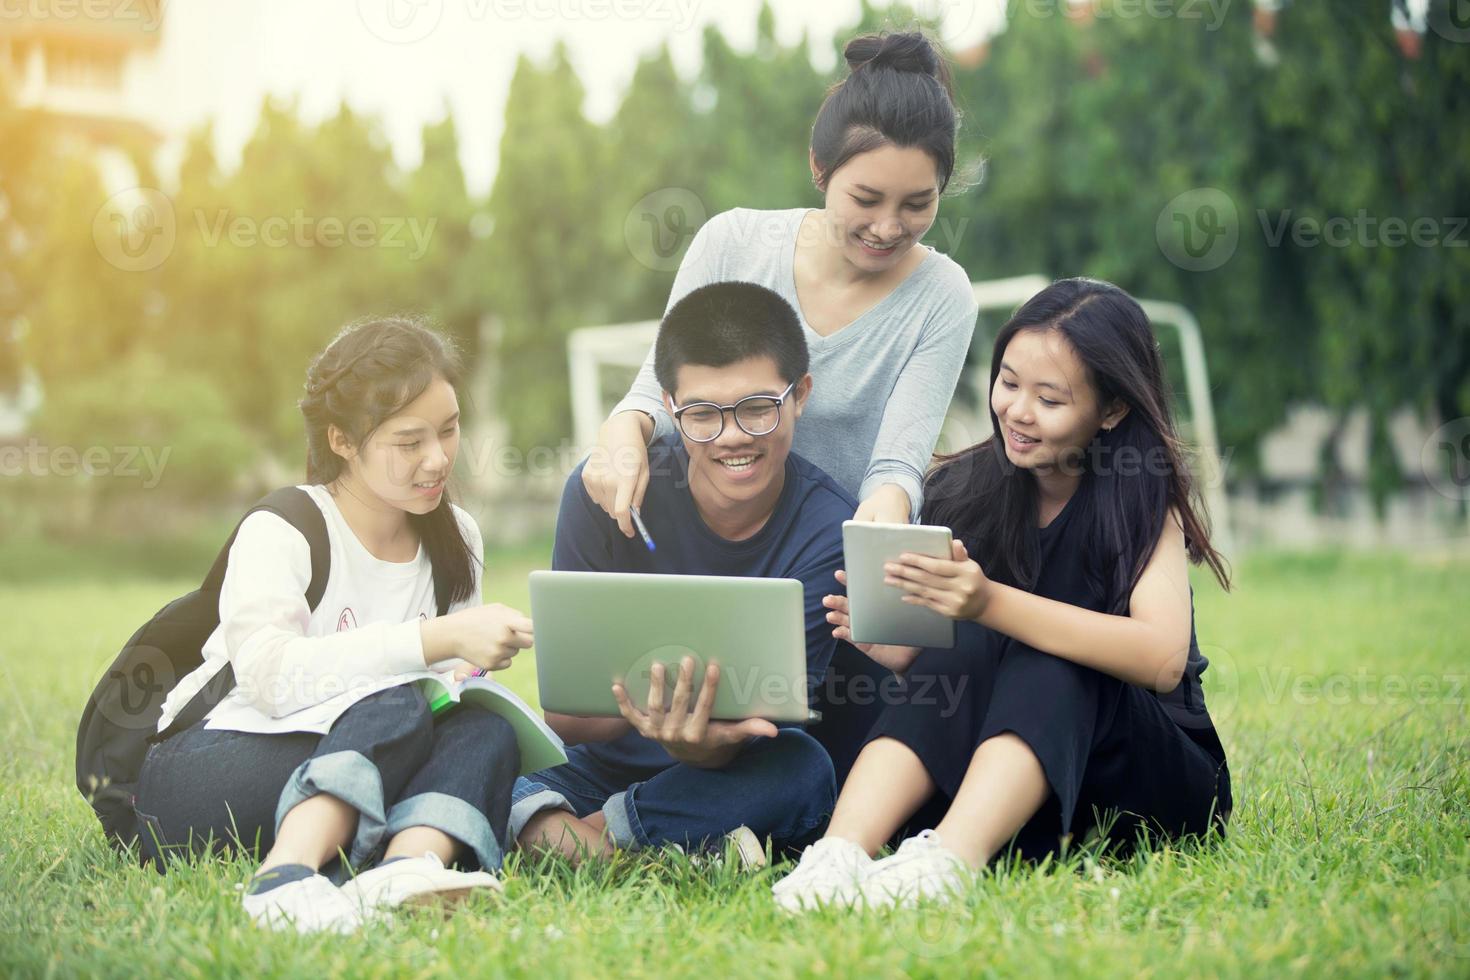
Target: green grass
1339	689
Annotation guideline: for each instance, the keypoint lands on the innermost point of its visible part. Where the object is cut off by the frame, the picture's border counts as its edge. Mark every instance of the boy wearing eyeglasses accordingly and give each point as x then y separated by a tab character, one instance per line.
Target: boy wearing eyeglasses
725	496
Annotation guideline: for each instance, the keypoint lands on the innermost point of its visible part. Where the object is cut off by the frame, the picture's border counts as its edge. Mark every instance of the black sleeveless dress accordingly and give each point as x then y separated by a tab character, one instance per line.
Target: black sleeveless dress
1119	758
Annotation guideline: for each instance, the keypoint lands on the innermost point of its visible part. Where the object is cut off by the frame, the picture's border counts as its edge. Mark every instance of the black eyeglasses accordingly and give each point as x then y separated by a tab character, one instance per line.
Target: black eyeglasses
757	415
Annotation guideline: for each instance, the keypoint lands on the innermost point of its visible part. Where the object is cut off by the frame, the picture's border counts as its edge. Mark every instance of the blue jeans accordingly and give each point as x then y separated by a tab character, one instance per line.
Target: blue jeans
782	788
388	756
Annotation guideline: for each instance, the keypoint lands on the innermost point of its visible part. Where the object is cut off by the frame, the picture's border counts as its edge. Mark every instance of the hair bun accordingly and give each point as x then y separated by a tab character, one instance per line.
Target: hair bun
909	51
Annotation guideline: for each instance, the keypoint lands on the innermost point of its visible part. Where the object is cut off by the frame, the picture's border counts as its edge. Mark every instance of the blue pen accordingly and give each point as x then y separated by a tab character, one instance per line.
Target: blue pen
638	523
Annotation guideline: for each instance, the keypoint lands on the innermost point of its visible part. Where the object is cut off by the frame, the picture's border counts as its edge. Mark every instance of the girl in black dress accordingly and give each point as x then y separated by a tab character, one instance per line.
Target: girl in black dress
1071	701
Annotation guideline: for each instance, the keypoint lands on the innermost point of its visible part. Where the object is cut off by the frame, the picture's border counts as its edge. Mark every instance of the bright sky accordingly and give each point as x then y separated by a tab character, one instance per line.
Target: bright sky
410	61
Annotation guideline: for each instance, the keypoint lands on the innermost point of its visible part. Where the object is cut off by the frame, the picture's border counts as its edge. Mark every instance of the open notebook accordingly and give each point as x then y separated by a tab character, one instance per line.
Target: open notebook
541	748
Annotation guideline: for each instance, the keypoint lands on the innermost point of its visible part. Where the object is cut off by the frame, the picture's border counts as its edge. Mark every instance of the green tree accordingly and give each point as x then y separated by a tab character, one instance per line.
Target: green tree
548	263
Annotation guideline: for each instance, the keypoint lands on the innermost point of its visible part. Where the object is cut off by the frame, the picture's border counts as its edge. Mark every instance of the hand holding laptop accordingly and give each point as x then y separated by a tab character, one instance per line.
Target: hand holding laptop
689	736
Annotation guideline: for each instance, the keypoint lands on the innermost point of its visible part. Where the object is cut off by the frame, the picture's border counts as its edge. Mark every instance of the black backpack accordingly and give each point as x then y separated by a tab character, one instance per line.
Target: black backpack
120	721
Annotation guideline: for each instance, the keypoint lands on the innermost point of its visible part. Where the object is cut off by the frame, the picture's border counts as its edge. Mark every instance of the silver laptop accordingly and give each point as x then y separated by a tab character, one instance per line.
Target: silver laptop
595	628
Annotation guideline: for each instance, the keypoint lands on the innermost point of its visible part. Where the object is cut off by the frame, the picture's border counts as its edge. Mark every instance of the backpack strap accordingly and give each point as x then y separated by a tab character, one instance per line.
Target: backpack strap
295	507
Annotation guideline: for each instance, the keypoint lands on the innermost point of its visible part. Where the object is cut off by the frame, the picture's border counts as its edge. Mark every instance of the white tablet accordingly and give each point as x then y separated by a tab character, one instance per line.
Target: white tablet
879	614
594	628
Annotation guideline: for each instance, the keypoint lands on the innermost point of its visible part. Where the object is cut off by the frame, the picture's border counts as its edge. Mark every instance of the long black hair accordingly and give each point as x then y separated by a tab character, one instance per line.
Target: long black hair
1133	474
898	93
364	377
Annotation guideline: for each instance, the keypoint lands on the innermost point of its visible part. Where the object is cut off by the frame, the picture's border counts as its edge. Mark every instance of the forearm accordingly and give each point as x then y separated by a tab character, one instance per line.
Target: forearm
630	417
888	503
895	658
1129	649
281	673
438	642
644	394
576	729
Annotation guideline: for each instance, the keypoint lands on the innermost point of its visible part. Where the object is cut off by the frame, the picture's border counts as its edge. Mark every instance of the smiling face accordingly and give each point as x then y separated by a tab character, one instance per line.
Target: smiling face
737	471
1045	402
405	462
880	203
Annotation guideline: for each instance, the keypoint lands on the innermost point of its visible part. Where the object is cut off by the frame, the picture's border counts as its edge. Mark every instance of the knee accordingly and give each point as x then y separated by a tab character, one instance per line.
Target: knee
493	733
478	733
1027	665
401	714
806	769
494	730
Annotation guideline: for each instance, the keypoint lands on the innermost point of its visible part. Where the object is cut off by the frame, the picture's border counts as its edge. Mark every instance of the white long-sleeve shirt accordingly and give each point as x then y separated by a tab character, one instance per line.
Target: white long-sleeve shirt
297	669
882	384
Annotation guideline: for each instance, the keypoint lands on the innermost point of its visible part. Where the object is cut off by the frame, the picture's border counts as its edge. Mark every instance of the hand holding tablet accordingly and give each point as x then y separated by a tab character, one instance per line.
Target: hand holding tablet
878	610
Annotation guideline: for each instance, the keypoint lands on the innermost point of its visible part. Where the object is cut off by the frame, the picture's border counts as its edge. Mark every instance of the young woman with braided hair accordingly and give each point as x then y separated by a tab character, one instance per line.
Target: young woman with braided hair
325	756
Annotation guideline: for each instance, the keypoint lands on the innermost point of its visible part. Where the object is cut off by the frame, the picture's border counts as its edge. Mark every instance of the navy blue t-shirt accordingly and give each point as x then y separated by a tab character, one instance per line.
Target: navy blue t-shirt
801	540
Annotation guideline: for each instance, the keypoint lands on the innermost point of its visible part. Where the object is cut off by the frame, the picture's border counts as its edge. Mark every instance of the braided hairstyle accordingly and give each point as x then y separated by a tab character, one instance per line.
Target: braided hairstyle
369	372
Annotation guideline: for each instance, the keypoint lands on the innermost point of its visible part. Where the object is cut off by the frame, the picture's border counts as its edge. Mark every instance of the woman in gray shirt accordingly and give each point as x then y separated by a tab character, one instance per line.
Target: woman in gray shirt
888	321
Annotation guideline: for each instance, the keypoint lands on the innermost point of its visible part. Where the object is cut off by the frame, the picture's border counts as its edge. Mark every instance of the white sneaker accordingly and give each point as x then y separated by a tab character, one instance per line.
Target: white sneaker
746	847
310	905
830	873
749	850
922	868
414	881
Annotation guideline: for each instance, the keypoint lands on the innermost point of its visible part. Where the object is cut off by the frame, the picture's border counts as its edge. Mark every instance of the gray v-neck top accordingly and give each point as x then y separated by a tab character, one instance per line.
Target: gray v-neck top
882	384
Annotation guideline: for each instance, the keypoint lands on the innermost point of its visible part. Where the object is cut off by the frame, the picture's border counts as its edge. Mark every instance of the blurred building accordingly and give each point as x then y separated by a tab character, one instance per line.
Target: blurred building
84	61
